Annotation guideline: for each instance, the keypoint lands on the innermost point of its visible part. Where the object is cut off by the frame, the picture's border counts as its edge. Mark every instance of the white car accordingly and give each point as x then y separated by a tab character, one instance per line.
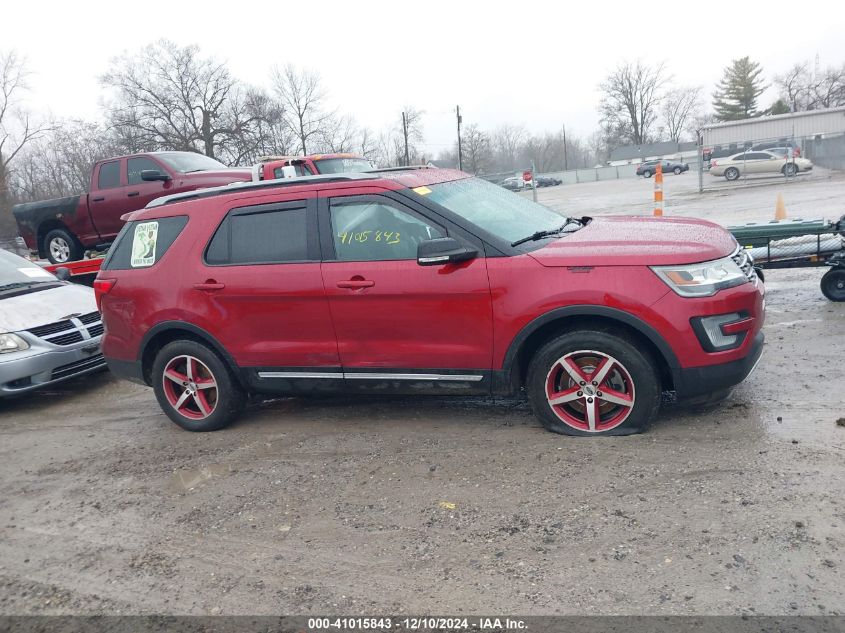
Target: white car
50	330
762	162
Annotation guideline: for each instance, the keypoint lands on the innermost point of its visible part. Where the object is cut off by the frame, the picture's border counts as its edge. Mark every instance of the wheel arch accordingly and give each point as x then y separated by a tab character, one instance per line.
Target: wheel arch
169	331
531	337
43	229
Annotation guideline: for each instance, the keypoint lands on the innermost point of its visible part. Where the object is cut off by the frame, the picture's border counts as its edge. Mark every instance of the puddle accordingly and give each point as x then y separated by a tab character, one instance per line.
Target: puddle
190	478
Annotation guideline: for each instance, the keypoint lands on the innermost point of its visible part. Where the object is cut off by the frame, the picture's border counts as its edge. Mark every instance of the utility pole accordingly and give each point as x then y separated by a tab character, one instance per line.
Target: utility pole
460	156
405	134
565	164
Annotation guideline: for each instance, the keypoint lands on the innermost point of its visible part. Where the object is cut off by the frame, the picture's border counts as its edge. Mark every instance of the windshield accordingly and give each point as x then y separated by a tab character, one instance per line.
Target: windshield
17	272
502	213
342	165
187	162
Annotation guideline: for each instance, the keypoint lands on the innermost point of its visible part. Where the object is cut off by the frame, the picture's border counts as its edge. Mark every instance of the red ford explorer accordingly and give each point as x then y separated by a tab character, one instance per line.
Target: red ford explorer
423	281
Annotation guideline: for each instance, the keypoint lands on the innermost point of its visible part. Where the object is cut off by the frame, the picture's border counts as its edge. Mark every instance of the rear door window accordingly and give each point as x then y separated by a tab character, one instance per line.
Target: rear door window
109	176
264	234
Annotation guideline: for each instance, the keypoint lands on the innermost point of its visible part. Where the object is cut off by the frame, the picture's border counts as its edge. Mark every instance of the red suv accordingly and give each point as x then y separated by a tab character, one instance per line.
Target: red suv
423	281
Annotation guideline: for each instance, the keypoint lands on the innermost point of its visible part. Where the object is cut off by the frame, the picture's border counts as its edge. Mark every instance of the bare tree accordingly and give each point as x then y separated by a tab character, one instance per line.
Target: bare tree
170	97
507	140
632	95
804	90
476	149
303	100
339	134
794	87
679	107
17	126
828	88
412	134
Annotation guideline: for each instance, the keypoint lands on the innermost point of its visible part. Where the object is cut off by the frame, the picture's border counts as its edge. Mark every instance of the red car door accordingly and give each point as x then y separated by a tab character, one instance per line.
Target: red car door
140	192
259	289
395	319
107	199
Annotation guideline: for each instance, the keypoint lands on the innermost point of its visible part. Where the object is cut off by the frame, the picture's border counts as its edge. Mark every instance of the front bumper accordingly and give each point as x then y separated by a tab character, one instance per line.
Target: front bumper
38	367
697	381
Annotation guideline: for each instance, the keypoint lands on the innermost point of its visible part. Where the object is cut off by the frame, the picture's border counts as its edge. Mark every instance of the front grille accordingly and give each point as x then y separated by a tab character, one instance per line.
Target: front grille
66	339
79	366
70	331
743	259
51	328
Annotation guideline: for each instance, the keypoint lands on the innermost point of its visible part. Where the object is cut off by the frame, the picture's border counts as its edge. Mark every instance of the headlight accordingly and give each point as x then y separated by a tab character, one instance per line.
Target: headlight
12	343
702	280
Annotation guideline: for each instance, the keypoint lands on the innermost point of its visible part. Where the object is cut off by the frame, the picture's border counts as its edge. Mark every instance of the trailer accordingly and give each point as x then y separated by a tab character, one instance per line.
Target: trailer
799	243
81	272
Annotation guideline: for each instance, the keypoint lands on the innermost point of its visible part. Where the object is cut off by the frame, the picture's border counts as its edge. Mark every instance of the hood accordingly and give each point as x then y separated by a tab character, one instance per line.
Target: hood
232	173
32	309
638	241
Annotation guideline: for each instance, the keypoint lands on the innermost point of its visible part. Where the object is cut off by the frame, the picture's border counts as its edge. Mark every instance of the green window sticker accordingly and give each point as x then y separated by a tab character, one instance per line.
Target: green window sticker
144	244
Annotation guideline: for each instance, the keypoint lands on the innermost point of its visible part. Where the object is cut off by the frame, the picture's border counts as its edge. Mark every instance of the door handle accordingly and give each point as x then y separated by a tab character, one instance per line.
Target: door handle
98	199
132	194
209	286
356	284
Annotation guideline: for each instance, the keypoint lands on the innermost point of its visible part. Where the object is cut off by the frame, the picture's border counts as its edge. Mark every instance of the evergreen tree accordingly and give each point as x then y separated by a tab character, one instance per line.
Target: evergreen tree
736	95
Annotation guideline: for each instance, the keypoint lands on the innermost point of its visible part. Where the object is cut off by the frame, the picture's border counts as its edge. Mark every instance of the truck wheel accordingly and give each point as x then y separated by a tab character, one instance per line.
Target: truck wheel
62	247
195	388
833	284
593	382
731	173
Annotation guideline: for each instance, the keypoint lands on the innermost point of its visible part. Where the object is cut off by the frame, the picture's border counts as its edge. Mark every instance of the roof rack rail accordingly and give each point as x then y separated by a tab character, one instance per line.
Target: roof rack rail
261	184
383	169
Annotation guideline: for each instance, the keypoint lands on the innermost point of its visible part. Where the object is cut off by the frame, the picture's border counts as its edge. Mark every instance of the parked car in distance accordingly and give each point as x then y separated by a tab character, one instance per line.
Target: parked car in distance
272	167
50	329
758	163
424	281
62	229
649	168
782	147
547	181
513	184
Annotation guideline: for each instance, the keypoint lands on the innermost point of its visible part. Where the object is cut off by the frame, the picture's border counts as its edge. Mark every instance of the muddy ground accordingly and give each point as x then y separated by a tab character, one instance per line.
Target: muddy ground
413	505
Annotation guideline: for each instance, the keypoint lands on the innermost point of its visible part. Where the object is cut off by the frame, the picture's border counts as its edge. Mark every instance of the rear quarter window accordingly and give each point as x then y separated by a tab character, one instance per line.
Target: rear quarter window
142	244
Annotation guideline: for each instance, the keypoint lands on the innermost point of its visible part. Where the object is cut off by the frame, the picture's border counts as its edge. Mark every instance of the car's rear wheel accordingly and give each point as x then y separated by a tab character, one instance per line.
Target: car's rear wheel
62	247
731	173
593	382
677	171
833	284
647	173
790	169
195	388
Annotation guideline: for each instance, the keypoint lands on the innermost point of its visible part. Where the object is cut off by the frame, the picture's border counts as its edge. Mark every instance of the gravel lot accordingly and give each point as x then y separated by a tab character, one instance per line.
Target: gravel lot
420	505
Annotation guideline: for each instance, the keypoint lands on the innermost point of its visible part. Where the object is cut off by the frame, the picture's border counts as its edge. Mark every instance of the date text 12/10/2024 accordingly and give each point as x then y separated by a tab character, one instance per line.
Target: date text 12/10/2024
425	623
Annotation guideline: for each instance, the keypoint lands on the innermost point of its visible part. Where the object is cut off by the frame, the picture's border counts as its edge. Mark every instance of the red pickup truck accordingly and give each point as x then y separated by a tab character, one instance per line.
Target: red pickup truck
272	167
62	229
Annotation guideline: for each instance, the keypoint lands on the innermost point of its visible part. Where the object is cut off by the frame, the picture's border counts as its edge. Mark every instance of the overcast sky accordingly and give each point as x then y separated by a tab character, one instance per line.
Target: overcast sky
533	63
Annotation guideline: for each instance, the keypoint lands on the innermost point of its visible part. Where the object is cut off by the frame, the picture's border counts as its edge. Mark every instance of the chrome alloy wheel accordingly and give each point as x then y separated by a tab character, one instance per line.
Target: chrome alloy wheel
190	387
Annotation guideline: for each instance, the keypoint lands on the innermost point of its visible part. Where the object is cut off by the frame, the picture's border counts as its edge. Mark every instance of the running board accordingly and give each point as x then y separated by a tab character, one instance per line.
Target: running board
372	376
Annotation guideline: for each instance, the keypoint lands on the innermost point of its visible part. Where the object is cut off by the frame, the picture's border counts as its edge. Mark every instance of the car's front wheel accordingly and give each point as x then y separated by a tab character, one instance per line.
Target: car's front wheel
677	171
195	388
593	382
647	173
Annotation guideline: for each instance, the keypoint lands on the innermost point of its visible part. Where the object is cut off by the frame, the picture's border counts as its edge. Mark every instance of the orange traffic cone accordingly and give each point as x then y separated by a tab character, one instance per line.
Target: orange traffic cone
658	190
780	208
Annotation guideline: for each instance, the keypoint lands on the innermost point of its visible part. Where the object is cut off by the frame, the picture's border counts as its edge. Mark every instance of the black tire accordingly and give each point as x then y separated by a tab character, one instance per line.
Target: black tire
647	173
790	169
62	247
677	171
229	399
731	173
634	372
833	284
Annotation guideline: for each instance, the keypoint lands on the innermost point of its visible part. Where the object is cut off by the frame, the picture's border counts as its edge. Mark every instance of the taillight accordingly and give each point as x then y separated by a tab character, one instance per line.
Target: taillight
102	287
796	152
713	163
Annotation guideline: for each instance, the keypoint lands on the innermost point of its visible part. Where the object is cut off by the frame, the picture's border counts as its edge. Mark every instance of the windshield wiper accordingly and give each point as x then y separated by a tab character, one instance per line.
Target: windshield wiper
20	284
548	233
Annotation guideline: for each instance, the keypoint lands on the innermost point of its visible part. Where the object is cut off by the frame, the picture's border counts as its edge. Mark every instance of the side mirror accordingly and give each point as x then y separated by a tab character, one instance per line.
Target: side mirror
151	175
443	250
62	273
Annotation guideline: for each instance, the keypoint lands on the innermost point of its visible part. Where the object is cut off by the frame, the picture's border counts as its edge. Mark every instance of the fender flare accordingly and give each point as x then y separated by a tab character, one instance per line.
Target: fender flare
613	314
167	326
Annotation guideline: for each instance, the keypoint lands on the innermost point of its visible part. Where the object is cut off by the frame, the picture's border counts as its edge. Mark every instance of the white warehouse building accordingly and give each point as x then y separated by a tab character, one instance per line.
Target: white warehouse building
814	124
